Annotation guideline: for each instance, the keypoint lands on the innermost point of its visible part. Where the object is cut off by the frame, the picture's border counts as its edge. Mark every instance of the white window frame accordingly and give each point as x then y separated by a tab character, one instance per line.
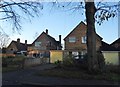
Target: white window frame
38	44
84	39
72	39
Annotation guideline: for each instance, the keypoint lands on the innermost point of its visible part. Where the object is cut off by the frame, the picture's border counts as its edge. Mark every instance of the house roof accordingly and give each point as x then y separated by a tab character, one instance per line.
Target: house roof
116	41
50	37
20	46
106	47
81	23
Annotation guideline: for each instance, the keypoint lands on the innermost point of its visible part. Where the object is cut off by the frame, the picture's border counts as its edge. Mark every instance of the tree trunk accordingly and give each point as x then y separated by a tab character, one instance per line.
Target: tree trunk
91	36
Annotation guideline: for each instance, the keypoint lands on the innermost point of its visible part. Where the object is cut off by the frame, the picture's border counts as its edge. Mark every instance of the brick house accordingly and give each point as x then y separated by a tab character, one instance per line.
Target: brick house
76	39
44	43
17	46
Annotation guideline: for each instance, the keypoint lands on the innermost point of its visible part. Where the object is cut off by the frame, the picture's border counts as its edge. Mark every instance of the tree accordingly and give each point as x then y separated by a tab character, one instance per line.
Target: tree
98	12
13	11
106	12
4	40
91	35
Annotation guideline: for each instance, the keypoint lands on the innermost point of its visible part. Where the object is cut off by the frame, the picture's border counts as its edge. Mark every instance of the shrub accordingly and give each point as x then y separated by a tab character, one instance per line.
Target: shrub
68	61
82	62
112	69
58	63
101	61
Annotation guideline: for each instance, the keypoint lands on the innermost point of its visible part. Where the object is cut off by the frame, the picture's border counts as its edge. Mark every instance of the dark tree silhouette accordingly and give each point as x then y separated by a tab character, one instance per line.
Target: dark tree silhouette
14	11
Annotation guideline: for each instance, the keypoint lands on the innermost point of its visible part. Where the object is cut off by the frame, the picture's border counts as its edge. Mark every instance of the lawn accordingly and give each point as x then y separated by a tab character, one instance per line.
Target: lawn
12	63
79	74
10	68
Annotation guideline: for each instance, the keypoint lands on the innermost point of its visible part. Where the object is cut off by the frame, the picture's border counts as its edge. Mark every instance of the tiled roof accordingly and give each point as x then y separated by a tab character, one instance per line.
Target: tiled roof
81	23
118	44
50	37
116	41
20	46
107	47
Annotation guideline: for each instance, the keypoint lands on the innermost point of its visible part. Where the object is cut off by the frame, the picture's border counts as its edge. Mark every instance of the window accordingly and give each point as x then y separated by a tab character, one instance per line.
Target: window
49	43
72	39
37	44
11	49
84	39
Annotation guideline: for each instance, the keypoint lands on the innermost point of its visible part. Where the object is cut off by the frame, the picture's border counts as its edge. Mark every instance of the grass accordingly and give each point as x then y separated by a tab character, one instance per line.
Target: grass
10	68
79	74
13	63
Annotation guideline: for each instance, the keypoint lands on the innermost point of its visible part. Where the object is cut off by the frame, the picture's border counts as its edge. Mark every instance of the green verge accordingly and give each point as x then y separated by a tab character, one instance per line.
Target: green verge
79	74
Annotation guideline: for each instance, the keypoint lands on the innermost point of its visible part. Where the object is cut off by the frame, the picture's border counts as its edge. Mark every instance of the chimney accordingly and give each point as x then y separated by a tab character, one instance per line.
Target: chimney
18	40
25	42
60	39
47	31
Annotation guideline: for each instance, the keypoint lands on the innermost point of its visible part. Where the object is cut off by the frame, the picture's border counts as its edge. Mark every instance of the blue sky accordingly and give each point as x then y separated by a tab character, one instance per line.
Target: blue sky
59	22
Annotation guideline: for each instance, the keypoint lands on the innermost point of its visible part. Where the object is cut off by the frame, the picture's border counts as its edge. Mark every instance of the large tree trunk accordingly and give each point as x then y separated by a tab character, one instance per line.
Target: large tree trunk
91	35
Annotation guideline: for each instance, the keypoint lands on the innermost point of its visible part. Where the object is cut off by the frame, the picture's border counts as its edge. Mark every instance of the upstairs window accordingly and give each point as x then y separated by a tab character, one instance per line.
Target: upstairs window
49	43
84	39
37	44
72	39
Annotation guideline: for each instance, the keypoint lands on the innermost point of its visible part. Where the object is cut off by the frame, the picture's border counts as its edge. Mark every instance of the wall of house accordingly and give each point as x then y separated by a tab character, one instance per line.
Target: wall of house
79	32
56	55
44	42
98	43
12	48
112	57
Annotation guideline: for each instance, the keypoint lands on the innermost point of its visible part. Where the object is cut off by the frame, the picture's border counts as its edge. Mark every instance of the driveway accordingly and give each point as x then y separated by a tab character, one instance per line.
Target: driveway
17	77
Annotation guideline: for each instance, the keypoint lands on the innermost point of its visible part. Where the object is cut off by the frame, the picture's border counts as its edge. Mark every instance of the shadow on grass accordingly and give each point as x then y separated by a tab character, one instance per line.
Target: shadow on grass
75	73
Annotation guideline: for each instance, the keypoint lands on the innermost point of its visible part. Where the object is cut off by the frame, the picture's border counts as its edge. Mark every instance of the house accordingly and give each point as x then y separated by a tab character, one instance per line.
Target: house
46	42
111	53
43	44
107	47
116	44
17	47
76	39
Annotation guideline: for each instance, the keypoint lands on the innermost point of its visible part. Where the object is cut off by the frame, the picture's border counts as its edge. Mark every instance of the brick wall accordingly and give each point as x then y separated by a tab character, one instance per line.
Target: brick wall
78	33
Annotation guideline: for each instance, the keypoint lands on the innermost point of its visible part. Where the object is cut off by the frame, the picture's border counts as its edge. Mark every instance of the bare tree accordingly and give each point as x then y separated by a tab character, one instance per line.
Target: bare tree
94	12
4	40
14	11
35	35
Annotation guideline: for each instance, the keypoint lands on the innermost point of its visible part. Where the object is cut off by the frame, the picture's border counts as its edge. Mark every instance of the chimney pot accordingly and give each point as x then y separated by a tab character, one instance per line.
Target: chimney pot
60	39
25	42
18	40
47	31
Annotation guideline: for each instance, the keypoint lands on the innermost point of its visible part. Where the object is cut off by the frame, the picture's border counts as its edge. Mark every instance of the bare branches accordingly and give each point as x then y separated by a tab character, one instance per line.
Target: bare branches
14	11
4	39
105	12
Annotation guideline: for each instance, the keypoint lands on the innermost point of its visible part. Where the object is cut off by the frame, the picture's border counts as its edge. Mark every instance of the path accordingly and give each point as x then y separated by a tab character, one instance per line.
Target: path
16	77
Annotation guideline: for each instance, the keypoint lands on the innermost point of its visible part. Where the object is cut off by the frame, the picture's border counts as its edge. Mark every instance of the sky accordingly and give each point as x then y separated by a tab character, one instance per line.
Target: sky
59	22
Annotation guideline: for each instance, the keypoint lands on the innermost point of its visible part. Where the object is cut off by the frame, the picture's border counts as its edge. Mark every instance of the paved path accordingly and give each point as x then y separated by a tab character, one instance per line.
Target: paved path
26	77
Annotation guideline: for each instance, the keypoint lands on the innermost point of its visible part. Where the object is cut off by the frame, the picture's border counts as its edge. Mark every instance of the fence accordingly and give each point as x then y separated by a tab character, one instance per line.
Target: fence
35	61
